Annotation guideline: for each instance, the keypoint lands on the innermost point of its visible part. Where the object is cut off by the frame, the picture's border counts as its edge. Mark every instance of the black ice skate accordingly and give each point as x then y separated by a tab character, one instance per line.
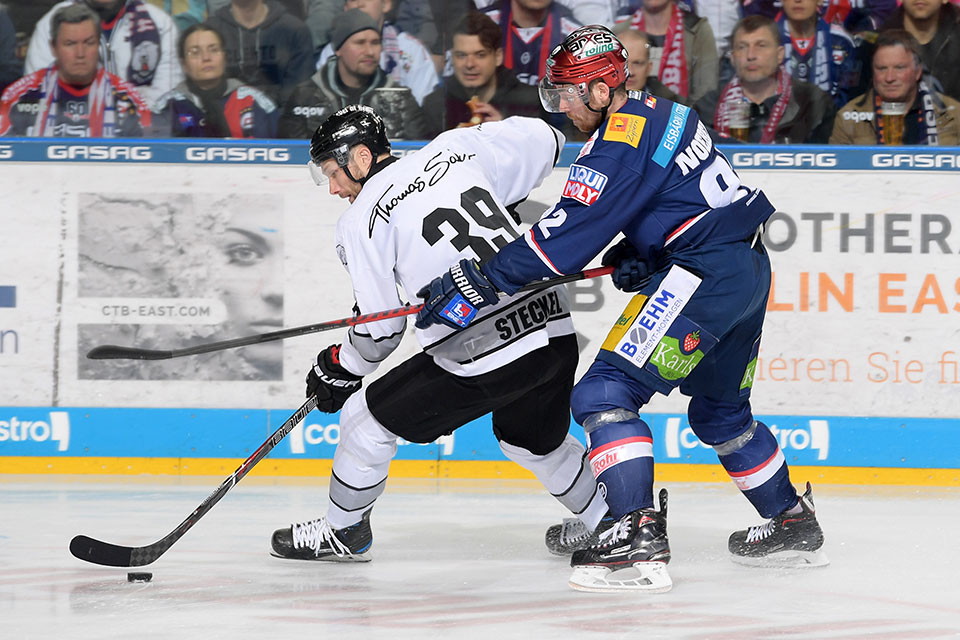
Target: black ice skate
317	540
786	540
632	555
572	535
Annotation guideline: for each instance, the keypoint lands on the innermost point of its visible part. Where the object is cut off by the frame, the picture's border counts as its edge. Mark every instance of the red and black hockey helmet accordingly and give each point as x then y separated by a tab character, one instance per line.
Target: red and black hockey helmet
589	53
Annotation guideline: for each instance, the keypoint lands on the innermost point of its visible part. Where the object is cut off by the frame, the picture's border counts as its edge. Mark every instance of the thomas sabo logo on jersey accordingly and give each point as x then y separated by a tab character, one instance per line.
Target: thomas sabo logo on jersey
625	127
584	184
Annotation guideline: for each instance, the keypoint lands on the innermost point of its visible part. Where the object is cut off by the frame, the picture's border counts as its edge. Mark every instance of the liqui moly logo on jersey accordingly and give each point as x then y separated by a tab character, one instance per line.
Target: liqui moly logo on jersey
584	184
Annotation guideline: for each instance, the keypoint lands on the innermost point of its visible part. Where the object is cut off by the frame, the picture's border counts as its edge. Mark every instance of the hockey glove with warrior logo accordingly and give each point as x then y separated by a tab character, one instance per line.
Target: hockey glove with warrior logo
630	273
330	382
455	297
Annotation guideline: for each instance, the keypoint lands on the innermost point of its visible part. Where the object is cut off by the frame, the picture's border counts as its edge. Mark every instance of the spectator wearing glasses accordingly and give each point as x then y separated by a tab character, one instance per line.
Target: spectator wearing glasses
208	104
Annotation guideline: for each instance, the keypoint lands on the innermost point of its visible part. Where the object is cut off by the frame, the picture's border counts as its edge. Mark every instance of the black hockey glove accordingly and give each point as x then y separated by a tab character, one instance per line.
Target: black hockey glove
630	273
330	382
455	297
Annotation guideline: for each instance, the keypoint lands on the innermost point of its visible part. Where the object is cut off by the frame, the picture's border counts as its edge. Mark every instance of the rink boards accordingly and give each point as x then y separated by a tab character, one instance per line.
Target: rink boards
213	441
858	373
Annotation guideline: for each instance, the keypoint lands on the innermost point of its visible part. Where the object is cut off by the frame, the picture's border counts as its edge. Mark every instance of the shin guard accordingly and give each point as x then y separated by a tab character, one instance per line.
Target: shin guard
565	475
621	456
360	463
757	466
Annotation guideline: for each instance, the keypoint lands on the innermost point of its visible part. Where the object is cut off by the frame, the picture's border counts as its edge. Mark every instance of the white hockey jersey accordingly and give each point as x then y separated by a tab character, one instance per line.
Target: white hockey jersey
426	211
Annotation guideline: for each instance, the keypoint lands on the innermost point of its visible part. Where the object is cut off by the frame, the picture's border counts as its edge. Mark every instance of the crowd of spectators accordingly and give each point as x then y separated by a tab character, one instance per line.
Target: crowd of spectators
756	71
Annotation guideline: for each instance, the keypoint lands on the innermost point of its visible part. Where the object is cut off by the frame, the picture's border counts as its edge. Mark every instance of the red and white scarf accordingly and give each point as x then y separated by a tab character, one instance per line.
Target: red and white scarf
732	95
673	62
100	100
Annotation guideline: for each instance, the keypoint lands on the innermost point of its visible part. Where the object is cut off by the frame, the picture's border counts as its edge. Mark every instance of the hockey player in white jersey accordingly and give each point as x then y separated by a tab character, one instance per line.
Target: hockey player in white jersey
409	219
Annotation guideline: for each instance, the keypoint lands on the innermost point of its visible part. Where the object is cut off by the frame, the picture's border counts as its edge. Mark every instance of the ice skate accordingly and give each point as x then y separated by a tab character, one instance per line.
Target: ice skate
632	555
784	541
317	540
572	535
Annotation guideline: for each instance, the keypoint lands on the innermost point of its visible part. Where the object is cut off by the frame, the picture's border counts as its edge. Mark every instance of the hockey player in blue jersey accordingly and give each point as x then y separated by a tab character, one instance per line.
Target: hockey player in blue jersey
692	252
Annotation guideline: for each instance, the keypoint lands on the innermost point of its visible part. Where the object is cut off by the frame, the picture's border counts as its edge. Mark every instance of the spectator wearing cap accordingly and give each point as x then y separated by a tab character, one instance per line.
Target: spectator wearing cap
404	58
138	43
928	117
208	104
266	47
481	89
353	76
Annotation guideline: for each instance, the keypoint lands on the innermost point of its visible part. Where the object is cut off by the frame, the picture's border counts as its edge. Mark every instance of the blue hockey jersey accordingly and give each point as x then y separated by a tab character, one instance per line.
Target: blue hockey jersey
650	171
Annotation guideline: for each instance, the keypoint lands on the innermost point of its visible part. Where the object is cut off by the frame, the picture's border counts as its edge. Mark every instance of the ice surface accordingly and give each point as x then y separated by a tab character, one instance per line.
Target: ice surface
459	560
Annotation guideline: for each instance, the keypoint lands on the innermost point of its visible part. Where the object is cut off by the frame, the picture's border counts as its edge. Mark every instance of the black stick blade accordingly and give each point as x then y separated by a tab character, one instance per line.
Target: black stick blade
104	553
114	352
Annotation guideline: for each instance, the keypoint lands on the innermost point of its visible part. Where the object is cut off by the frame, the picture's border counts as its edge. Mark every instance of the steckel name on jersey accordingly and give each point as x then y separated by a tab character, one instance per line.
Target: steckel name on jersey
428	210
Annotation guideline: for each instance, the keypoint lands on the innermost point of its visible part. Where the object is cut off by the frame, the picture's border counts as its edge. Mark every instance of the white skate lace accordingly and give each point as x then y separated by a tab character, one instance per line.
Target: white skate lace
616	533
761	532
314	533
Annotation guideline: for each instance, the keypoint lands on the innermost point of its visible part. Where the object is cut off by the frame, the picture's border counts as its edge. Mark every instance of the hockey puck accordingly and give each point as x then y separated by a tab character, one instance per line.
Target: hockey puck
139	577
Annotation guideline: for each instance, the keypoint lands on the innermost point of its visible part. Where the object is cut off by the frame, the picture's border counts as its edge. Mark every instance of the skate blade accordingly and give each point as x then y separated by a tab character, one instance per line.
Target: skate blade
651	577
786	560
360	557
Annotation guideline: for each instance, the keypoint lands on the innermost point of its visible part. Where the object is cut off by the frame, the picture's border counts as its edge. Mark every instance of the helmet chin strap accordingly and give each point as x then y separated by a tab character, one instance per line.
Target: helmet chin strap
603	110
375	166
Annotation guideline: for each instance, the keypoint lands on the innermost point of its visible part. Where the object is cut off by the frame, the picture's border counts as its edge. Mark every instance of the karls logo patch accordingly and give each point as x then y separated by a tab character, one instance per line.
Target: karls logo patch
625	127
680	350
584	184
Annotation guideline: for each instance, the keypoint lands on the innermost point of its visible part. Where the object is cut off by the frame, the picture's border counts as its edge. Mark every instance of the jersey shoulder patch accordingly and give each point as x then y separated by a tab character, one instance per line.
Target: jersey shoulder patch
671	135
625	127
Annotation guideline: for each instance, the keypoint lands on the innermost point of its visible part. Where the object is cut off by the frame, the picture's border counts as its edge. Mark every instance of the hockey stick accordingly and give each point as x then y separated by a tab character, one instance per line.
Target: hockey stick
113	352
113	555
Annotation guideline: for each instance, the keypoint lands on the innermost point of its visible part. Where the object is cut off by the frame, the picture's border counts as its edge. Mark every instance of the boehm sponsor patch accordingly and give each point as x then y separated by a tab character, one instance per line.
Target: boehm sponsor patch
645	322
584	184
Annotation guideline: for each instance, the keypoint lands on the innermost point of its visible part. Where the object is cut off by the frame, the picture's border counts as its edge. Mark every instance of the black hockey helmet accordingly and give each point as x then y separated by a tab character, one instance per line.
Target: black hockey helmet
352	125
